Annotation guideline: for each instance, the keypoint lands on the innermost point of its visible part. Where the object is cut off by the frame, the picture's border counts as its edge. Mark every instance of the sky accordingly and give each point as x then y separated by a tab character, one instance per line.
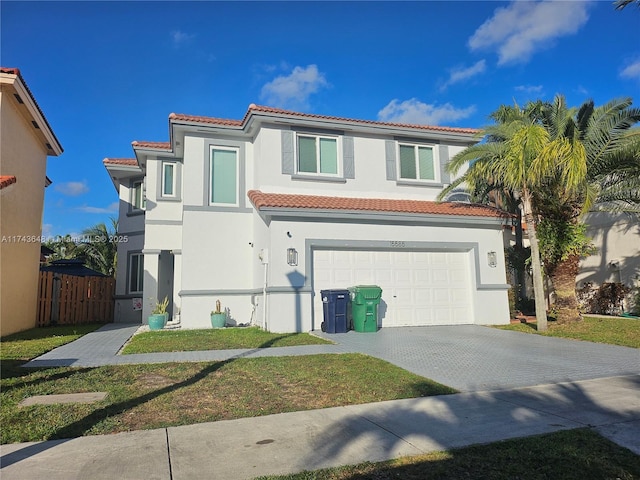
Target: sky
106	74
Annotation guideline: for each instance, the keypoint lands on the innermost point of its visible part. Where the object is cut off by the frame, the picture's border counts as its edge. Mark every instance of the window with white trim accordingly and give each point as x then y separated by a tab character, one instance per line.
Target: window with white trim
168	179
317	154
136	272
223	176
138	200
417	162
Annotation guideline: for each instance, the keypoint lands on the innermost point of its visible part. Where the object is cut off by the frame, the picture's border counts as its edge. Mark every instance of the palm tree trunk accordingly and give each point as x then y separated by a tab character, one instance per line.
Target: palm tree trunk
536	264
563	277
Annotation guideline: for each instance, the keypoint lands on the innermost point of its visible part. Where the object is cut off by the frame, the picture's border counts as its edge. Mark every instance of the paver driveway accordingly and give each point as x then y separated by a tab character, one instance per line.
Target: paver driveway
473	357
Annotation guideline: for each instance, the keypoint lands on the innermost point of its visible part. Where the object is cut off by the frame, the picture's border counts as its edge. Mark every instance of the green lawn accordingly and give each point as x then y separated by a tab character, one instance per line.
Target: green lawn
215	339
612	330
567	455
160	395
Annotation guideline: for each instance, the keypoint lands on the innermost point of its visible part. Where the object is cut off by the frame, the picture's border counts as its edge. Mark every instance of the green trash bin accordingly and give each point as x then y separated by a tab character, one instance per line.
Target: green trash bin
364	307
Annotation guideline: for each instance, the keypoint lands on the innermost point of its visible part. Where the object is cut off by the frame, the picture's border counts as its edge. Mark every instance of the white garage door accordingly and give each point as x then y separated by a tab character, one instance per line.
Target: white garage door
418	288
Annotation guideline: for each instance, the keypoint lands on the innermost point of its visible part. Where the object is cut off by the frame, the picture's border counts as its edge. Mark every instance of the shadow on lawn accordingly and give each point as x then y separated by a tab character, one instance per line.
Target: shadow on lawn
79	427
415	426
12	369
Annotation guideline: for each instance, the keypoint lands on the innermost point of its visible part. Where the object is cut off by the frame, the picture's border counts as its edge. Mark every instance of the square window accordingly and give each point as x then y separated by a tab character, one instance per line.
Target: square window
223	185
317	154
417	162
136	272
168	179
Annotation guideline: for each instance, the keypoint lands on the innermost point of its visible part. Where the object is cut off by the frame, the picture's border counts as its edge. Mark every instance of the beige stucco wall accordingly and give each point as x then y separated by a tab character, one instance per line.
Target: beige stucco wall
22	155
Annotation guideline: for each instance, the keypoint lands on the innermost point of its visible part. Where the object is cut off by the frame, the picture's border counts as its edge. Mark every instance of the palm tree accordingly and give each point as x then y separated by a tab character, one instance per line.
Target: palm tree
100	249
620	4
588	155
511	157
605	158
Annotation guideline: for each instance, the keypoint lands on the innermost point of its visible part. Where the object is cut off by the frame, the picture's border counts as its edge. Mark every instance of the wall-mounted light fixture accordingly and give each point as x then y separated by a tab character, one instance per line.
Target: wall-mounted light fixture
492	259
292	256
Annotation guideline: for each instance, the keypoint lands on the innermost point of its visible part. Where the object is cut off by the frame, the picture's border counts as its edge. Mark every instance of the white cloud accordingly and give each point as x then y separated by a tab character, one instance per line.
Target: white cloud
415	112
72	189
294	90
180	38
47	230
523	27
460	74
631	71
112	208
529	88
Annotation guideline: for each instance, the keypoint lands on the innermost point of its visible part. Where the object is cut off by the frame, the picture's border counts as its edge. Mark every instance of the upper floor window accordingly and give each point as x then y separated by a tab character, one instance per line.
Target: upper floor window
223	171
168	179
317	154
138	200
417	162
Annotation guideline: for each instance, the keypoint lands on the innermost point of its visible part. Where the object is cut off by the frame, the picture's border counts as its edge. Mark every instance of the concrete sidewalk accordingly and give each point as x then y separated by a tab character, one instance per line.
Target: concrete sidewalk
292	442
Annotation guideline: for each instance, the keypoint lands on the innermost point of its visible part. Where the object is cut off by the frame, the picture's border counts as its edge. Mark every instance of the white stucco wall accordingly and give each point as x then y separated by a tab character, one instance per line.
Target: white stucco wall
370	172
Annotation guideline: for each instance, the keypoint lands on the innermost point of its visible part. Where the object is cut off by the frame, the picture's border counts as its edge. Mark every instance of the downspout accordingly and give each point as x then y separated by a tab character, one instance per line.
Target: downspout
264	256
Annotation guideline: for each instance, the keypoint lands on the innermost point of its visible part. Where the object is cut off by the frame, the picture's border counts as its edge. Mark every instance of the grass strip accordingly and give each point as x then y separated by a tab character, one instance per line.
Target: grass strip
215	339
161	395
566	455
611	330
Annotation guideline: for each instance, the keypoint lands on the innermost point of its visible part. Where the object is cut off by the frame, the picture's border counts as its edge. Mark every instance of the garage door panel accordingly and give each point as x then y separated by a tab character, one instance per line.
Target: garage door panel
383	277
418	288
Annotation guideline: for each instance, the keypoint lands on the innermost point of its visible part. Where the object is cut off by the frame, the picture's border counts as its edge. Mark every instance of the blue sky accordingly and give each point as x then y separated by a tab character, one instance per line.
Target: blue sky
108	73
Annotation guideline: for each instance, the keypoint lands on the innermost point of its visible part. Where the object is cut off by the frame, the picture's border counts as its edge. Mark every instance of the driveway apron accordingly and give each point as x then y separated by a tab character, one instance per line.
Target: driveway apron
474	358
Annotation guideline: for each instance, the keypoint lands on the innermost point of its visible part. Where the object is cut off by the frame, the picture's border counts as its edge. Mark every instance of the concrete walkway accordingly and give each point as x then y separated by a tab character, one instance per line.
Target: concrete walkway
563	384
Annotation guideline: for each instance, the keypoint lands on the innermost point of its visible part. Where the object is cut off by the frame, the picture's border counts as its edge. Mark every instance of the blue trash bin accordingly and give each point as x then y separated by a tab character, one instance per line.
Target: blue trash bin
334	306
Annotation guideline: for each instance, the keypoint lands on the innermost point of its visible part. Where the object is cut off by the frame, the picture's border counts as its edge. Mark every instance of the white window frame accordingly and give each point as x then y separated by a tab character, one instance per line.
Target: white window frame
237	180
317	142
139	274
173	182
134	196
435	159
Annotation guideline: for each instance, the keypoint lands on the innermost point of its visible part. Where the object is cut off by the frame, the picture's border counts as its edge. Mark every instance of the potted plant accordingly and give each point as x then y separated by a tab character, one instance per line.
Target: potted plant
218	317
158	317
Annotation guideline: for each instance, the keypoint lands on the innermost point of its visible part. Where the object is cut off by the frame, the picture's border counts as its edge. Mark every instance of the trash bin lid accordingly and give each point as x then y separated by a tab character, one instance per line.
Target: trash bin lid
334	293
368	292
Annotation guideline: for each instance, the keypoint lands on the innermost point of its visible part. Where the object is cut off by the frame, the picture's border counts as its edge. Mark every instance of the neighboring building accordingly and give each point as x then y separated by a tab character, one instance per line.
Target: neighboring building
26	140
617	240
264	212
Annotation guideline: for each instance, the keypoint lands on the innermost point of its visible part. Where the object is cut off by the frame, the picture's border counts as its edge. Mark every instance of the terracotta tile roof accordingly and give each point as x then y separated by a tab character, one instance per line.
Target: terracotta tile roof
6	180
129	162
154	145
16	72
211	120
258	108
277	200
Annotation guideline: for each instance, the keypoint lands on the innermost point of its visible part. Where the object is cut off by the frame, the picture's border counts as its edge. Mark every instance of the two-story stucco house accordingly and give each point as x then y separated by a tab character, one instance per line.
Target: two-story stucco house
26	141
265	212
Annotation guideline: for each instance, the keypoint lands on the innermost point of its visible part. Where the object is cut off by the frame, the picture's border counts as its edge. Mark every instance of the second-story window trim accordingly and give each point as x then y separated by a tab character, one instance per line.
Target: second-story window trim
224	172
318	155
418	163
138	197
168	179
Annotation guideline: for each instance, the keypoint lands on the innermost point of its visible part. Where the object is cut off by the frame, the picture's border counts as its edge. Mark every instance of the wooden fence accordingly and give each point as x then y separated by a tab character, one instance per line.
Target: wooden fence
70	300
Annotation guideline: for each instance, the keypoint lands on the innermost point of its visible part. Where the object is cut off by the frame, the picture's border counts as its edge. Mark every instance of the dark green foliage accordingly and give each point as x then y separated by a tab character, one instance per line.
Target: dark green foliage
560	239
605	300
